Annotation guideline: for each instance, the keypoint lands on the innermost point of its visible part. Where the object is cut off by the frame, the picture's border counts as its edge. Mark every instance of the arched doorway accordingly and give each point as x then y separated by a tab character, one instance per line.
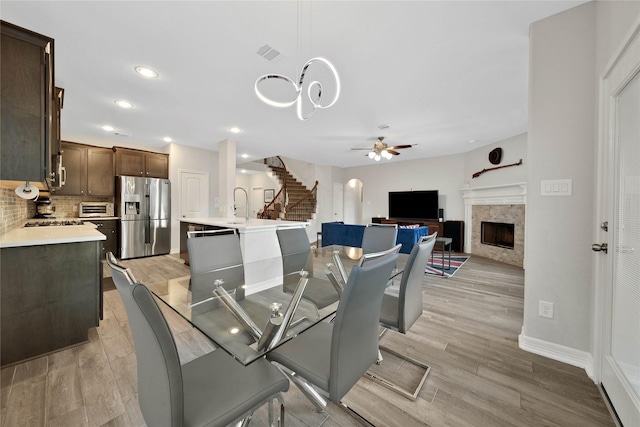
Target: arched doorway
353	194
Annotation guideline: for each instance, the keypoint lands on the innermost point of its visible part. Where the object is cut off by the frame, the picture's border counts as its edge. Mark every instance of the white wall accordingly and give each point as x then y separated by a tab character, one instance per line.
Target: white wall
186	158
513	149
562	134
445	174
567	53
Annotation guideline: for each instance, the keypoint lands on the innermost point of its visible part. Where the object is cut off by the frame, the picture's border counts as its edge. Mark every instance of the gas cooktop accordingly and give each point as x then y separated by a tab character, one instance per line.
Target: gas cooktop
53	223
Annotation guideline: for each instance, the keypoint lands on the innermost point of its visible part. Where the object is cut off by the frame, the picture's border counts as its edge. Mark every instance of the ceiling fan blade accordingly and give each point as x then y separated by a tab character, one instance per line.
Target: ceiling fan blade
396	147
395	153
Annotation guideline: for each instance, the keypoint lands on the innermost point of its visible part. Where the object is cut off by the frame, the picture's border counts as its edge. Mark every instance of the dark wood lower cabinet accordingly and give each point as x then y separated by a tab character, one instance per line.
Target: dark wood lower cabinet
50	298
108	227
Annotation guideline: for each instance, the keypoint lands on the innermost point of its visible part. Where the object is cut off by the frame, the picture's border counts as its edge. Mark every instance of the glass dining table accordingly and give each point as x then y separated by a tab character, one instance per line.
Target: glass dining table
247	323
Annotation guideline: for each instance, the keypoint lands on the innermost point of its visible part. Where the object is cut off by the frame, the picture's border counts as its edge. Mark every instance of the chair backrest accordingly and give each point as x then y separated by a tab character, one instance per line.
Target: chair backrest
364	259
377	237
159	374
410	293
354	341
296	253
215	255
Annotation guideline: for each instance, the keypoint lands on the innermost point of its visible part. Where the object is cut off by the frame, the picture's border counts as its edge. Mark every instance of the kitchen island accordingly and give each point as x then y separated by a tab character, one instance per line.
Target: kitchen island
50	285
258	242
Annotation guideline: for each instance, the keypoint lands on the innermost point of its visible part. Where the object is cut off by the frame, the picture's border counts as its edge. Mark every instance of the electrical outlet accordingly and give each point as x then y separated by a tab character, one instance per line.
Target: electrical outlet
545	309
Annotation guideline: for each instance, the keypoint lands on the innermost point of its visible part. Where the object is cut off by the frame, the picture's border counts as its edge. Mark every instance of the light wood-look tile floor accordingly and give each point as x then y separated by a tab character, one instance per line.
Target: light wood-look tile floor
467	335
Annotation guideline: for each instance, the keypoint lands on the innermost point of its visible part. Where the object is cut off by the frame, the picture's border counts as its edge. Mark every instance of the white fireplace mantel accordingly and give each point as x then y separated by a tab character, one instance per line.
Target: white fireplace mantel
505	194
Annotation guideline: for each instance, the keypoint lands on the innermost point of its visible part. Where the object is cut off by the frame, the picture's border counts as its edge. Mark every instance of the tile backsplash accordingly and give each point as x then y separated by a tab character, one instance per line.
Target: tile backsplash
13	209
67	206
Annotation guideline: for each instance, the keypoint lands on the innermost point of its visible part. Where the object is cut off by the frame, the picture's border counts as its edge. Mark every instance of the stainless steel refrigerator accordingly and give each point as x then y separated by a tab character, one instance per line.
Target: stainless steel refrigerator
144	207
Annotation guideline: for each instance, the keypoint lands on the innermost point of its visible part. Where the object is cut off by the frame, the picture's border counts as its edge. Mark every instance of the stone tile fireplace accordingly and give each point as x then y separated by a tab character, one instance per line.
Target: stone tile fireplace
495	220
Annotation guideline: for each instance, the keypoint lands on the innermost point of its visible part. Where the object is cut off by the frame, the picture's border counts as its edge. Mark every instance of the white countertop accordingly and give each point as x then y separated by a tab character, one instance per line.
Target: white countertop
52	235
242	224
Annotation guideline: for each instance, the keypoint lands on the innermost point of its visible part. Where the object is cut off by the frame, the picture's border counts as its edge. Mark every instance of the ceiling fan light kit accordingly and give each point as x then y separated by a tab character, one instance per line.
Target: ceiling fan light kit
380	150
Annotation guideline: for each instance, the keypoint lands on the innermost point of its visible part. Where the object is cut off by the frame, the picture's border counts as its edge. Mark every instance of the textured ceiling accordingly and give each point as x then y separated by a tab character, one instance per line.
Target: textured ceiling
438	73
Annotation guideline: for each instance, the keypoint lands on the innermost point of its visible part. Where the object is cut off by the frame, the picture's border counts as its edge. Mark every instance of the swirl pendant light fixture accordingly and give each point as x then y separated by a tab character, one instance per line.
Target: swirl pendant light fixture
314	98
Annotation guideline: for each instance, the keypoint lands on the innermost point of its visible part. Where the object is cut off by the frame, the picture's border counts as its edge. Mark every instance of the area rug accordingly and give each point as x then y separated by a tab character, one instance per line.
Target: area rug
434	266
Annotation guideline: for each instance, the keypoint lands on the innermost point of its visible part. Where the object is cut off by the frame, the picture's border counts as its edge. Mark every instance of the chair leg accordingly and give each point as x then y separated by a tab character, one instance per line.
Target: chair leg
380	359
306	388
282	411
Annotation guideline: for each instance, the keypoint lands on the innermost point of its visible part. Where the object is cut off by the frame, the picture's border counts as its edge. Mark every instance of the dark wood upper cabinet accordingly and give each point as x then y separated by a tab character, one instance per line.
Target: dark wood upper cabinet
100	177
130	162
157	165
26	84
74	173
88	170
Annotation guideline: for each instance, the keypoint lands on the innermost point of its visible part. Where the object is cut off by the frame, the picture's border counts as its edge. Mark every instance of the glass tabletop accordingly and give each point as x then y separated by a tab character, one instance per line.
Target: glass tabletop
248	321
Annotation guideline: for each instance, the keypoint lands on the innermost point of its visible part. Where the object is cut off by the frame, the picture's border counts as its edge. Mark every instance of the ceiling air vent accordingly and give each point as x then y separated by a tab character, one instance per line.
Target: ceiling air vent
268	53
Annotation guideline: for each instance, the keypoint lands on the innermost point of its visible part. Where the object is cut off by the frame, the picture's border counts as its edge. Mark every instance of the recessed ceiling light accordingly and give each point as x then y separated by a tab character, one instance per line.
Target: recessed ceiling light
471	141
122	103
108	128
243	171
234	330
382	127
244	156
234	129
146	72
167	139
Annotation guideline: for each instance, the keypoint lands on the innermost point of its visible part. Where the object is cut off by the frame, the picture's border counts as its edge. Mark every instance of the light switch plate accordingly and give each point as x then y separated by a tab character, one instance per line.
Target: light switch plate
556	187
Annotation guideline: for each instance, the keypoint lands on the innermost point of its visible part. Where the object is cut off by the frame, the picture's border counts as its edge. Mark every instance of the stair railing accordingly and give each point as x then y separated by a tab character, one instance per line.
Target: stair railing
281	196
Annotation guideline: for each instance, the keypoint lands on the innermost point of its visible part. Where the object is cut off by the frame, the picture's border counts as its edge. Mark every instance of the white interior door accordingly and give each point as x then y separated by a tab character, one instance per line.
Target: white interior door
257	200
194	194
619	280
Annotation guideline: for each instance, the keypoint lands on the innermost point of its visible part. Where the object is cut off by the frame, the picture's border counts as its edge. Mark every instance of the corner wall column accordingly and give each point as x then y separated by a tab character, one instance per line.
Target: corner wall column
227	176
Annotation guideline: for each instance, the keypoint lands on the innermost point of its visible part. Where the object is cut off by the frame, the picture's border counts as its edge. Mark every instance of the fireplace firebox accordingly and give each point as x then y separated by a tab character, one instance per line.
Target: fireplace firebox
497	234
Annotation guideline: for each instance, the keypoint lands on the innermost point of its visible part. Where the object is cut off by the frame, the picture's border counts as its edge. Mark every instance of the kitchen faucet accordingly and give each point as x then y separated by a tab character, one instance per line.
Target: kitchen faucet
246	198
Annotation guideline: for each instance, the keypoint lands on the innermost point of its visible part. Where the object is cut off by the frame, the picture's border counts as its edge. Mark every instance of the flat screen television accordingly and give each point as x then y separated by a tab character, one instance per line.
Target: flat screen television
413	204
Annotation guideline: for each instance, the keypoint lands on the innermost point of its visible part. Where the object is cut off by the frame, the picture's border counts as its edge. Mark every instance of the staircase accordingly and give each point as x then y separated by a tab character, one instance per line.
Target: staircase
298	201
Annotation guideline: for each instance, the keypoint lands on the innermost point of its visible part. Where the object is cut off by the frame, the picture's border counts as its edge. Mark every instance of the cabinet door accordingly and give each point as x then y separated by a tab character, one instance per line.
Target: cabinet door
109	228
74	162
100	178
157	165
25	71
129	163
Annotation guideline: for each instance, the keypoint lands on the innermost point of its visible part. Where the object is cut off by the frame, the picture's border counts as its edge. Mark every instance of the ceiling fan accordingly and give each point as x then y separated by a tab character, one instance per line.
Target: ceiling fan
381	149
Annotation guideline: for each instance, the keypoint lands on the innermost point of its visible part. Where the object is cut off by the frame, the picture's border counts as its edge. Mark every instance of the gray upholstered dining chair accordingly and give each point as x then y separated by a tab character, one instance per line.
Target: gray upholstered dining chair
212	390
378	237
401	307
333	356
216	255
296	256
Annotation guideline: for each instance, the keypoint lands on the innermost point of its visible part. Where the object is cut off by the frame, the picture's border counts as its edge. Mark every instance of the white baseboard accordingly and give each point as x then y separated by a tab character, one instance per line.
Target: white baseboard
561	353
